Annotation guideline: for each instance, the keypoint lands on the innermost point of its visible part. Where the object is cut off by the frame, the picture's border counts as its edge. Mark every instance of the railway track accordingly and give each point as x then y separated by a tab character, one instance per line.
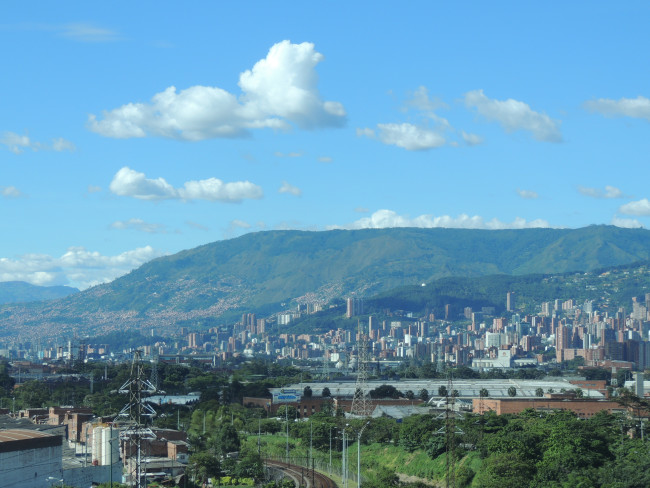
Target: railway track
303	477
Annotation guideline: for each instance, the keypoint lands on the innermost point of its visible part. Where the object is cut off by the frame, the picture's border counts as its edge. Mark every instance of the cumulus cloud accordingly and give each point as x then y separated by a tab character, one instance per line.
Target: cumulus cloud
527	194
471	139
626	223
609	192
278	91
640	207
638	108
130	183
18	143
10	192
515	115
407	136
288	188
78	267
388	218
139	225
420	100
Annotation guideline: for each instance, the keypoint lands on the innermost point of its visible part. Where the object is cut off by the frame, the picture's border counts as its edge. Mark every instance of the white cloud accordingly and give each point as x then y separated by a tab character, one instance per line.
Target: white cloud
369	133
10	192
196	225
60	144
130	183
388	218
641	207
407	136
17	143
77	267
240	224
626	223
94	189
638	108
139	225
515	115
610	192
471	139
236	227
292	190
86	32
421	101
325	159
288	155
280	89
527	194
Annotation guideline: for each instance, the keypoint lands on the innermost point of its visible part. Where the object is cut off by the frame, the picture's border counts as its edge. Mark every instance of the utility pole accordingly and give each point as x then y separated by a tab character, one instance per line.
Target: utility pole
286	417
344	463
330	465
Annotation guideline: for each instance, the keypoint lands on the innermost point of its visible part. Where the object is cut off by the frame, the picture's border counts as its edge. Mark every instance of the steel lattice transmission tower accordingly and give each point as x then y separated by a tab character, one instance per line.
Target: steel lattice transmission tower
361	404
134	419
450	431
154	372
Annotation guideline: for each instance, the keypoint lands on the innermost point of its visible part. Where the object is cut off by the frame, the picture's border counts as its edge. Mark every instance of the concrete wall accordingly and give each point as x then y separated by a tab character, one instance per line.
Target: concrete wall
30	468
85	476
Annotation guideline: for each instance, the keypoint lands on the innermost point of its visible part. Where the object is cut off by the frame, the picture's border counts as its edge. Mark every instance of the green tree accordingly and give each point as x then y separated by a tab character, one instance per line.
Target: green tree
409	395
539	392
384	478
483	393
205	465
326	392
384	391
442	391
306	392
424	394
228	439
505	471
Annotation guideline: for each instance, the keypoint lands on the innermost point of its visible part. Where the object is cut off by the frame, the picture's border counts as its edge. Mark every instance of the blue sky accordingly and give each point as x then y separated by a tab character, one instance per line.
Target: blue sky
134	130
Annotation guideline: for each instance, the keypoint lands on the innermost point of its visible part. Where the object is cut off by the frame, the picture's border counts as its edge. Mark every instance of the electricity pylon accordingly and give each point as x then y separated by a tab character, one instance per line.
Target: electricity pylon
134	418
361	404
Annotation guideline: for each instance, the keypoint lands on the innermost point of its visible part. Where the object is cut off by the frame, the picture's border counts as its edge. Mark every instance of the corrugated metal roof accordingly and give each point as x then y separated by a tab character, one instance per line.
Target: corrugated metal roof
11	435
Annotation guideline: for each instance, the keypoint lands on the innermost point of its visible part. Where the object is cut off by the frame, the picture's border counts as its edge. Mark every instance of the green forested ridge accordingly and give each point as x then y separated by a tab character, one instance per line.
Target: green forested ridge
19	291
261	271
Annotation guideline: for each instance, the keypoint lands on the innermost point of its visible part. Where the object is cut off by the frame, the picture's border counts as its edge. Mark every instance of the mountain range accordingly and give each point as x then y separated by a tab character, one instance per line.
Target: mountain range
267	272
19	291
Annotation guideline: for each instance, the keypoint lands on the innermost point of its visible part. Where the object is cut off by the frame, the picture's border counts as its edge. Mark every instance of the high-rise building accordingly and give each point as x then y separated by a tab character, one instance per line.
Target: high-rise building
354	307
510	301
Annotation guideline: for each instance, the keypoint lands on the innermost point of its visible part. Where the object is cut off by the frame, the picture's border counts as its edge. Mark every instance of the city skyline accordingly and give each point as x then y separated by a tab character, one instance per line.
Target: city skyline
131	132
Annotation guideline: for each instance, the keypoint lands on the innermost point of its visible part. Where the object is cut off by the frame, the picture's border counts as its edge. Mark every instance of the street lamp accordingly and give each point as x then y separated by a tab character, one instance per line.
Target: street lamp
311	441
359	453
330	465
